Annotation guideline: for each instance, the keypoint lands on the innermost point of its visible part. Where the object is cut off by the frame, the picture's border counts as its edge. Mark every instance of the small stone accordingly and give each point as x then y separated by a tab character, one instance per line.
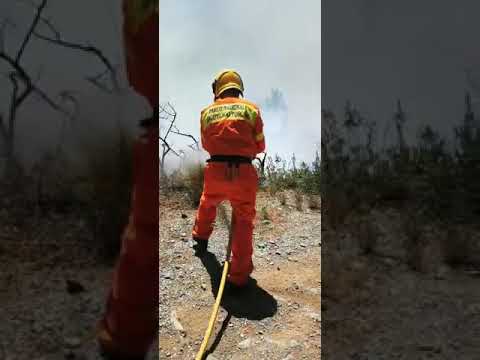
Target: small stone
73	342
204	287
442	273
473	309
314	316
245	344
69	355
175	322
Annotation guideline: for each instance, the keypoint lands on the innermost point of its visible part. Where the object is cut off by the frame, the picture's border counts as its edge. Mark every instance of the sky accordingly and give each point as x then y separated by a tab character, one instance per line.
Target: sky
272	44
378	51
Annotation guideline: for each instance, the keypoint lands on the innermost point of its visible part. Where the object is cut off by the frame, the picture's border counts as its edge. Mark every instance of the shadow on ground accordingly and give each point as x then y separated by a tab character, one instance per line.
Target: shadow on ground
253	304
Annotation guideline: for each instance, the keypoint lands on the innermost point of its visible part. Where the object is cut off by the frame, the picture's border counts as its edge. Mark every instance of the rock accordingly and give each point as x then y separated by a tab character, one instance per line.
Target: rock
473	309
184	216
442	272
245	344
204	287
211	357
429	348
167	275
175	322
314	316
69	355
286	344
74	287
73	342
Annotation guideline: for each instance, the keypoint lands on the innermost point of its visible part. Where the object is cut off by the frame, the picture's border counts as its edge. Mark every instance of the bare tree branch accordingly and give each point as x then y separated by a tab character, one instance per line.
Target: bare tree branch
29	86
57	40
195	141
28	36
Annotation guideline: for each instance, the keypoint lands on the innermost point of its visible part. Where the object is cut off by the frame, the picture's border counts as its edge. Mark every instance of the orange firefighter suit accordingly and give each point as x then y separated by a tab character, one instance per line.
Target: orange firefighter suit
130	324
231	128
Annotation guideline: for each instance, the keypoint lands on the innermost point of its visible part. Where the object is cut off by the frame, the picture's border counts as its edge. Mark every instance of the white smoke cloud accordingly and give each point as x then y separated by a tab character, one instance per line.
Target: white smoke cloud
272	44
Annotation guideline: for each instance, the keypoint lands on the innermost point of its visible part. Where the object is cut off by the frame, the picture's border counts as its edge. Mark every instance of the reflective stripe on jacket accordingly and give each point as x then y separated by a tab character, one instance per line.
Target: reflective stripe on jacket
232	126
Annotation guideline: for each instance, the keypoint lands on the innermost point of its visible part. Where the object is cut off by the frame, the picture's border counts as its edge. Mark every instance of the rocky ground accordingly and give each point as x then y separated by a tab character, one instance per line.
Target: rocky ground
377	307
52	288
279	318
374	306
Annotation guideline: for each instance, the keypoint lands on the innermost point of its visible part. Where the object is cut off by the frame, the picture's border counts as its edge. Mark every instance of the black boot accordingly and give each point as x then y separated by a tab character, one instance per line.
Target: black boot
200	247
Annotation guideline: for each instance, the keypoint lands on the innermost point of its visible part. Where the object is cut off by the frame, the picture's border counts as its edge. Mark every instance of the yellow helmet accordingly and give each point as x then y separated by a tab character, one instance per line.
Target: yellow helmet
227	79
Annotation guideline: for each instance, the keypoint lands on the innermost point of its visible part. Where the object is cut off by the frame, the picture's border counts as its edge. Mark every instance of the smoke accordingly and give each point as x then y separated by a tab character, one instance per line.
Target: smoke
56	69
271	50
376	52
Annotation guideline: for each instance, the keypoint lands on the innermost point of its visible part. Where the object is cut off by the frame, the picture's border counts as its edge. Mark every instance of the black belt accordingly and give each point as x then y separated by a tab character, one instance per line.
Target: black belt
232	159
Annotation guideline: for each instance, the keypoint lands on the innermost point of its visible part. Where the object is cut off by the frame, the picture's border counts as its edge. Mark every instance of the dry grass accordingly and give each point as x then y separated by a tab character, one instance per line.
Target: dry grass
265	214
367	235
314	202
335	209
458	247
107	187
194	182
282	198
298	201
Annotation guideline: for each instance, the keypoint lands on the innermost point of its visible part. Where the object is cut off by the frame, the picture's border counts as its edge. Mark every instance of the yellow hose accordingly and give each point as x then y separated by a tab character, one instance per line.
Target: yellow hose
213	316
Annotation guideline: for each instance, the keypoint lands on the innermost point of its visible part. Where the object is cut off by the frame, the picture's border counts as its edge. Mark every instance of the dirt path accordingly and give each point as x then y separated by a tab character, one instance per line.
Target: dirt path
278	319
377	307
40	319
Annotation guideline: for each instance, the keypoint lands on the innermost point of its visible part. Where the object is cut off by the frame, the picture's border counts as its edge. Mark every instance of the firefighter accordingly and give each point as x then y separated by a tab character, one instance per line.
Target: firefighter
232	133
129	326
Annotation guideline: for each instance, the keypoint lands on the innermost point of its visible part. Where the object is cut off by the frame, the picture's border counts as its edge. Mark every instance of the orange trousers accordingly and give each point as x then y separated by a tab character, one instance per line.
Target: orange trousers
130	324
239	186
